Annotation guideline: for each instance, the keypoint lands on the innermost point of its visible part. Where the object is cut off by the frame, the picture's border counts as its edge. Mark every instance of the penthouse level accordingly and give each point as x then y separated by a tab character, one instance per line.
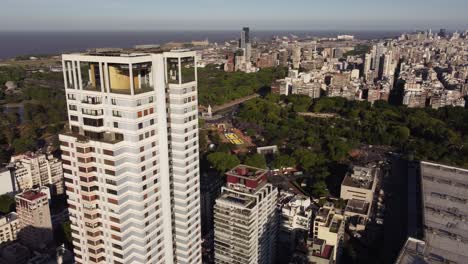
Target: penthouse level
248	177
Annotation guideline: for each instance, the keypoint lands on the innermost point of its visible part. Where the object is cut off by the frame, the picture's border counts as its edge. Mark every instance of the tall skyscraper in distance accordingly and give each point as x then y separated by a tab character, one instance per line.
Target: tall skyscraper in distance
387	65
367	64
245	44
131	157
246	219
443	33
245	37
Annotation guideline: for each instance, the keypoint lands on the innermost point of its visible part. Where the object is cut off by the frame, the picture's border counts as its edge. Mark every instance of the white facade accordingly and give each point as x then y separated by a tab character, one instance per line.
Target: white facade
9	227
7	182
32	207
37	169
360	184
246	222
329	225
131	157
296	217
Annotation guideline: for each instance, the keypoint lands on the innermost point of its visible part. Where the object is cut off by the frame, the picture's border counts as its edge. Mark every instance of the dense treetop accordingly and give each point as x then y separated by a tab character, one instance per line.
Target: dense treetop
216	87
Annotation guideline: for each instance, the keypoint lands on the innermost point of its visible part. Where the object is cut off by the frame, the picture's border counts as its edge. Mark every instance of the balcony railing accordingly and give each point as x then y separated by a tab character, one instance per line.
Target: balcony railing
107	137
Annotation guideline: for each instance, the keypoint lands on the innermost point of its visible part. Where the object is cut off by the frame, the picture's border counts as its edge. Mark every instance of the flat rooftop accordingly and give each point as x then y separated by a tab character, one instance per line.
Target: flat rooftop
357	206
241	201
129	52
118	52
247	172
412	252
445	211
32	195
325	251
323	214
361	177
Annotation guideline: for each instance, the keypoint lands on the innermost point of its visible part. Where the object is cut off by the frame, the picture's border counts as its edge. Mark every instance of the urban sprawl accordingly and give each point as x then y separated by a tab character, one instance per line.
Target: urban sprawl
142	172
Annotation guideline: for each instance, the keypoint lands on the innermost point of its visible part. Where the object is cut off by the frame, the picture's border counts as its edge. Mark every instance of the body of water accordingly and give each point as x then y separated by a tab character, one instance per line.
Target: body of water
34	43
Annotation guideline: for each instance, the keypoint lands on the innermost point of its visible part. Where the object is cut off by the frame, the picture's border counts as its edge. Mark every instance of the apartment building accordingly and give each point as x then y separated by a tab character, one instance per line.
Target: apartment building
246	220
9	227
438	215
328	234
7	182
359	184
130	156
295	219
32	207
35	169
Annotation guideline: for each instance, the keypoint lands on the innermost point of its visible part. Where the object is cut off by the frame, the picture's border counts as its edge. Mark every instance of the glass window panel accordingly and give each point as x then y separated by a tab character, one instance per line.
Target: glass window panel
142	77
90	76
173	70
69	74
188	69
119	78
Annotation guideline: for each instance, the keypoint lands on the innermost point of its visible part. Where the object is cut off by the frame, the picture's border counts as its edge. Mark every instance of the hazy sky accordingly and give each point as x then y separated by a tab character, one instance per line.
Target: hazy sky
232	14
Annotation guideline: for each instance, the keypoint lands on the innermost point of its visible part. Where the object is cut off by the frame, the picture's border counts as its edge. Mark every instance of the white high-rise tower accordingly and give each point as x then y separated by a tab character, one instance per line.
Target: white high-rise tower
130	157
246	219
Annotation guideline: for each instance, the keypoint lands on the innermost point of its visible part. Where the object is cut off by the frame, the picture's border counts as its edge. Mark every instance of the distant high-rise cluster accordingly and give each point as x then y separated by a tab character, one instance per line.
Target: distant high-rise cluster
240	59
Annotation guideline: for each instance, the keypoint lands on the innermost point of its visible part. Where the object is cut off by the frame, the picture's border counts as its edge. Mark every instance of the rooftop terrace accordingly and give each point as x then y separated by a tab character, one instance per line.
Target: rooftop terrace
247	172
361	177
357	206
32	195
237	200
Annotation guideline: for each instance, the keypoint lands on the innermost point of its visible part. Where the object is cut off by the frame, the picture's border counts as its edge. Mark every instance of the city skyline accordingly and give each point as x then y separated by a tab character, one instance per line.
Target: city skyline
260	132
53	15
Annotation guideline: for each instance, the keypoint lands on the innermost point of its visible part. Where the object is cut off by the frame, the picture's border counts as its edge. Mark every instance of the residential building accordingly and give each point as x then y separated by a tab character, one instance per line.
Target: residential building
246	220
412	252
295	220
266	150
7	182
328	234
360	184
444	216
9	227
32	207
35	169
320	252
358	189
131	156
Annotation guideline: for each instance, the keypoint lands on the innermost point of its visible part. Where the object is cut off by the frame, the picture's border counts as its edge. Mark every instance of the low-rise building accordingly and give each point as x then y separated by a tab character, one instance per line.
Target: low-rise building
328	232
267	150
320	252
360	184
295	219
358	189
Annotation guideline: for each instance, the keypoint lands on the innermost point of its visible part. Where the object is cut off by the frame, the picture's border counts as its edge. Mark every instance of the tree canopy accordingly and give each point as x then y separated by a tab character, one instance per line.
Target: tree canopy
216	87
222	161
315	145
